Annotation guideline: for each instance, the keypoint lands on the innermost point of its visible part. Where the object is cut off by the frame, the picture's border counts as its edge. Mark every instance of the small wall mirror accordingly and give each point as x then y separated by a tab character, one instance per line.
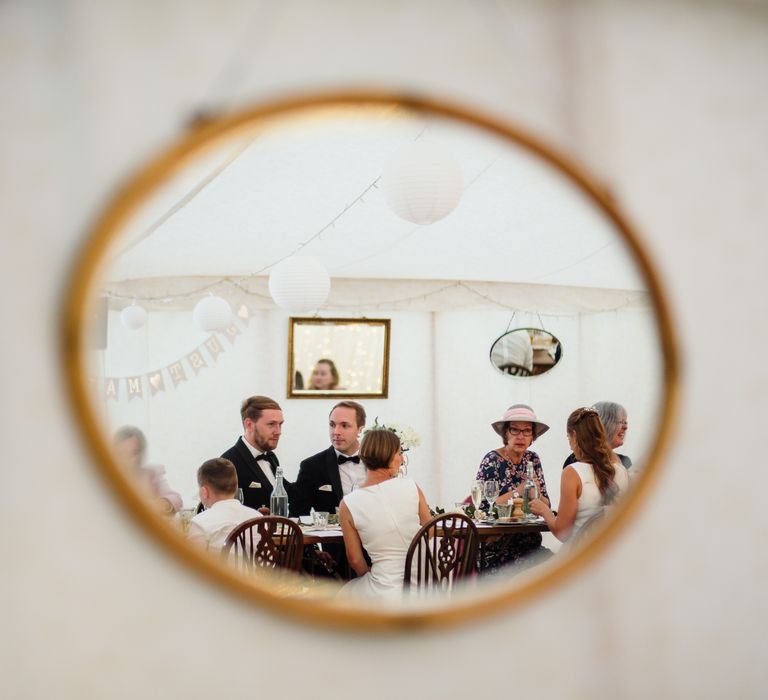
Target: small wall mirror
525	352
347	357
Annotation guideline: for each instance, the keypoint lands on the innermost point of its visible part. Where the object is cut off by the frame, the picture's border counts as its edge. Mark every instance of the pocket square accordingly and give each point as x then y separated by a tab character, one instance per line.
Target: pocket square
254	485
325	487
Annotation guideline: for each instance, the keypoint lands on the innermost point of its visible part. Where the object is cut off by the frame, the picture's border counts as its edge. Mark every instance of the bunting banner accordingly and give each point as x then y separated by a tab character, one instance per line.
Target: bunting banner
231	332
156	382
134	387
196	361
213	346
179	371
111	388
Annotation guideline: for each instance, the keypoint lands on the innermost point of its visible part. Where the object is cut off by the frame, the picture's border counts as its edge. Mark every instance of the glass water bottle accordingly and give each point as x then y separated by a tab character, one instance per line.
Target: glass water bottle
530	492
278	501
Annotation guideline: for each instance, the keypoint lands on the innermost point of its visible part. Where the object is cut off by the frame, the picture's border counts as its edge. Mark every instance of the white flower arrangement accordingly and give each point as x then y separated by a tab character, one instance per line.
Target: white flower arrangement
407	435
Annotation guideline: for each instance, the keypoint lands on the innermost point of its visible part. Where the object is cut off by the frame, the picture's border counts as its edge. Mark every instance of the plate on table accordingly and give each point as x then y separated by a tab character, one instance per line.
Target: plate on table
516	521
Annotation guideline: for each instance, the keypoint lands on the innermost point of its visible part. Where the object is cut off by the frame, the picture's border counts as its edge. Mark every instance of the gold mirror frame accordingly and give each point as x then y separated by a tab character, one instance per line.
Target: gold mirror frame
295	393
156	173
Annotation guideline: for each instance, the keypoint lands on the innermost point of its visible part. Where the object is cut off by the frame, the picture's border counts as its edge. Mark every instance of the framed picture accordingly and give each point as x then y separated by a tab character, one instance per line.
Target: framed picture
338	357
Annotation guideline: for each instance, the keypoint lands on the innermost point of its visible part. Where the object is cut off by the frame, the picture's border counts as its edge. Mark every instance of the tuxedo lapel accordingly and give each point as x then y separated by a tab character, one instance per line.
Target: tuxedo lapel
252	464
334	477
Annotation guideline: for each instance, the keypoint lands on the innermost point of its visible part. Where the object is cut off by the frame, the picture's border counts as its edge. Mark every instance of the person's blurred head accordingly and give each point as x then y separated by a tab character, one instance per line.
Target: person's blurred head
130	446
262	422
346	420
613	416
217	481
325	376
380	449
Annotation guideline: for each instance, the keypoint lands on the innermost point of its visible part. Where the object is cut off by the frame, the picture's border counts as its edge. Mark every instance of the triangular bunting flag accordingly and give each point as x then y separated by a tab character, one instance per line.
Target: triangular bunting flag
177	373
111	388
156	383
231	332
196	360
134	387
214	347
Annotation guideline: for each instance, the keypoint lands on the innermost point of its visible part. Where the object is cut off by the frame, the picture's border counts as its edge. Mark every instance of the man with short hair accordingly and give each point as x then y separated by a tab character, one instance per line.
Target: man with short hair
325	478
217	482
253	454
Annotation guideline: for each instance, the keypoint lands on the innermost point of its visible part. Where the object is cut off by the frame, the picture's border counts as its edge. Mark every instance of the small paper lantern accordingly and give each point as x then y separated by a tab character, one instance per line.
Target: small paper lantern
422	184
299	284
133	317
212	313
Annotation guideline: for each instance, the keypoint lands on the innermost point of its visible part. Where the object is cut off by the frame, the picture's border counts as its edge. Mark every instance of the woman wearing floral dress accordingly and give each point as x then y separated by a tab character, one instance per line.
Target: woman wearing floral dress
518	428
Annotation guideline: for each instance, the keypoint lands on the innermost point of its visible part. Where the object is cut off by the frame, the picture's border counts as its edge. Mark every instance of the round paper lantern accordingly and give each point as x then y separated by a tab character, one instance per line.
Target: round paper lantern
423	184
212	313
133	317
299	284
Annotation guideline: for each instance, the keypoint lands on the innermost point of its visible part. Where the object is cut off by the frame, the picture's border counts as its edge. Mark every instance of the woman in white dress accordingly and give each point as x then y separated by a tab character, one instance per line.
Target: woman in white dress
589	484
382	516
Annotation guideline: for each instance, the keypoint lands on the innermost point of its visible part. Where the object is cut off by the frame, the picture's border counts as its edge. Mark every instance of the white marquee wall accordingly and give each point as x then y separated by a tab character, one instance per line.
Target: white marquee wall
441	383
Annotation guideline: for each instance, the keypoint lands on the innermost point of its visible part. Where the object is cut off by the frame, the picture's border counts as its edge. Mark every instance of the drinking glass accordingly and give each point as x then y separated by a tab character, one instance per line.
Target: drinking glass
491	494
476	493
239	495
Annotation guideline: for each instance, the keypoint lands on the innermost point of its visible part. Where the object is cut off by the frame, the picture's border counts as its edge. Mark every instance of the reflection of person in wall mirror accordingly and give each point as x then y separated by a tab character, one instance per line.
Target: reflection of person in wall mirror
325	376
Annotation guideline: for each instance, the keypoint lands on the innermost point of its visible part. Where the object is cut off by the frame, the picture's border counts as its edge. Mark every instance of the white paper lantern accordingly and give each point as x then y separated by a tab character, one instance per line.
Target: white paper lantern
422	184
212	313
133	317
299	284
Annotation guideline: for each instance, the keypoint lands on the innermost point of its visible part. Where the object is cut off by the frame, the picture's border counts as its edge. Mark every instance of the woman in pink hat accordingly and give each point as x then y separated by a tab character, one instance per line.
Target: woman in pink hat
518	428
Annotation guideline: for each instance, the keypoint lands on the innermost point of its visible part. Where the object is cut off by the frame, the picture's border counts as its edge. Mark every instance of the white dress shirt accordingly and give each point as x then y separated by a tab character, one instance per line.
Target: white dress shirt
212	527
352	475
263	462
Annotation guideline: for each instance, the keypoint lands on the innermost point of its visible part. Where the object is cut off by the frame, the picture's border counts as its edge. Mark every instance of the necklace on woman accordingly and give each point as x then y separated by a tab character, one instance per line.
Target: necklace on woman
508	456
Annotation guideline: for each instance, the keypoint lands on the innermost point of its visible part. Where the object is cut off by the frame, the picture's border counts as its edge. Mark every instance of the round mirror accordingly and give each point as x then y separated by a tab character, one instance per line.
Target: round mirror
172	321
525	352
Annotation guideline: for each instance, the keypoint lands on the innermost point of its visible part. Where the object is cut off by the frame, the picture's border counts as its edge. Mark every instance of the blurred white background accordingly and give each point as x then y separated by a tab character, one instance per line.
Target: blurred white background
663	101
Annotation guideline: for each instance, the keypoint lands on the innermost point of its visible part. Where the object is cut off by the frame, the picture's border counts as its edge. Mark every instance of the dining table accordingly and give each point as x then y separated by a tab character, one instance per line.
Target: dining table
487	531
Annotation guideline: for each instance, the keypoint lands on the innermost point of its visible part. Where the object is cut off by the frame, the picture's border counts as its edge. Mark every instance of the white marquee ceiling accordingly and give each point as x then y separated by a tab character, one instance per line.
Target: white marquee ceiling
311	185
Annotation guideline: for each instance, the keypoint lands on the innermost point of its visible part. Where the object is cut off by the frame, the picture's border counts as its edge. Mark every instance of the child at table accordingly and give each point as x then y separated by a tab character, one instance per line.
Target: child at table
217	482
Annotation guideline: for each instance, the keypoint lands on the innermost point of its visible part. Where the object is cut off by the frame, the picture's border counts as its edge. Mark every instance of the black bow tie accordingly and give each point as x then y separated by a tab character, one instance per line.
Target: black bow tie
344	458
269	457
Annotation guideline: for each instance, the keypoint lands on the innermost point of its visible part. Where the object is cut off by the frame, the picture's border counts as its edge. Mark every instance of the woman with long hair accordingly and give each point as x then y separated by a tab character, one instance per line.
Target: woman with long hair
590	483
613	416
381	516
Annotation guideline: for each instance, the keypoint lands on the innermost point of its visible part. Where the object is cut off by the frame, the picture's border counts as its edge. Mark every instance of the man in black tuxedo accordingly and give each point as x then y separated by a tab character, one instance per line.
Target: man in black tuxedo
325	478
253	454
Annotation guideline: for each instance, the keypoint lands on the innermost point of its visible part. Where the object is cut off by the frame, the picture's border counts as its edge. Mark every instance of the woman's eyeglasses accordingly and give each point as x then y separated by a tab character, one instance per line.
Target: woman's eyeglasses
518	431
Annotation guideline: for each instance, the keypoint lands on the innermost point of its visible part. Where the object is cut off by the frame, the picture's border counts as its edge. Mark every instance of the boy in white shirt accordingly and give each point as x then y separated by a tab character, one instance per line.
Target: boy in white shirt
217	479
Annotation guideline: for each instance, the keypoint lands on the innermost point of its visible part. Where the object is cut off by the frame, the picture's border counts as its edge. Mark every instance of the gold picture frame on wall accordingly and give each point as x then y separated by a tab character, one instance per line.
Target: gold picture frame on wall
331	357
83	289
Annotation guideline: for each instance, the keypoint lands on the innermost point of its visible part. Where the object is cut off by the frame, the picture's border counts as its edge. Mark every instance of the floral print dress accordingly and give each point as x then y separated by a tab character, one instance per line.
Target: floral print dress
509	549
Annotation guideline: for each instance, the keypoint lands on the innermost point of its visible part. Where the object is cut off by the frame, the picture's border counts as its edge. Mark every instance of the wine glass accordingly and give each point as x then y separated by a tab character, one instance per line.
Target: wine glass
476	493
403	467
491	494
239	495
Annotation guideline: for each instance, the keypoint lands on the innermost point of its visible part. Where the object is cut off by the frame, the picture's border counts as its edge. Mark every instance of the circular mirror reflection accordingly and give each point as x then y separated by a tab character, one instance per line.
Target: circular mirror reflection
171	325
525	352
